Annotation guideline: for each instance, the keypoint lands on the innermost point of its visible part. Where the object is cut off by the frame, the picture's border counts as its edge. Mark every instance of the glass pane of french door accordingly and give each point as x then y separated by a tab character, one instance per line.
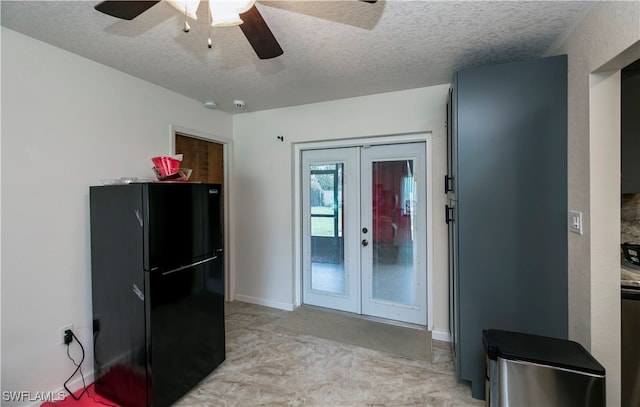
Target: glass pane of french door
393	249
330	215
327	240
392	220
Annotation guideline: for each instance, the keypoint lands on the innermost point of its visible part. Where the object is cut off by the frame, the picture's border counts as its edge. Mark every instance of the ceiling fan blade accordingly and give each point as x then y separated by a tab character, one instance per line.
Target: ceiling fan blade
259	35
126	10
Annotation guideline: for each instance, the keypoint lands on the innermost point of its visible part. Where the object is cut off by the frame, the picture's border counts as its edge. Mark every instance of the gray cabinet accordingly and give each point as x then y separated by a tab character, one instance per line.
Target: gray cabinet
507	206
630	129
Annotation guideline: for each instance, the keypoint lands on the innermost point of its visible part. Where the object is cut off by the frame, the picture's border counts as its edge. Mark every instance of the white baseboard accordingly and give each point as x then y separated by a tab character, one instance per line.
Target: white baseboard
267	303
441	336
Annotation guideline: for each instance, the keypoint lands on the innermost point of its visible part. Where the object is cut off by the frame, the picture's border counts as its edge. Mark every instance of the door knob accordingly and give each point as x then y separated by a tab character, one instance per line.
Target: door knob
365	242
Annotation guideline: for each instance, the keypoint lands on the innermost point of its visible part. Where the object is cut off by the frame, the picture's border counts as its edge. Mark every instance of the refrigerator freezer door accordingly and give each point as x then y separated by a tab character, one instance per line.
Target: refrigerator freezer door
182	224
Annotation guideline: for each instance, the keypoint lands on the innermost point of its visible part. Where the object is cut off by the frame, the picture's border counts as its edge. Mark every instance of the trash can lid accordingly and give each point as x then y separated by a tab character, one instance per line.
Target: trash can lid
542	350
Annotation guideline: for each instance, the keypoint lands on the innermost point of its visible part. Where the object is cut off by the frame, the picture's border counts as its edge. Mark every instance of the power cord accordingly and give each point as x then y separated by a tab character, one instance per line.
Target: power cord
69	334
78	365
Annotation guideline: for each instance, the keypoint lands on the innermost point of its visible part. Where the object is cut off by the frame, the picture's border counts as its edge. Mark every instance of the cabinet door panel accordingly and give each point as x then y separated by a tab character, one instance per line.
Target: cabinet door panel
510	121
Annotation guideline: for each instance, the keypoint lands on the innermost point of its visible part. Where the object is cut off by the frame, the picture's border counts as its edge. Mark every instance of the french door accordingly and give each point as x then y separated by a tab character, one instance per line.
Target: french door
364	230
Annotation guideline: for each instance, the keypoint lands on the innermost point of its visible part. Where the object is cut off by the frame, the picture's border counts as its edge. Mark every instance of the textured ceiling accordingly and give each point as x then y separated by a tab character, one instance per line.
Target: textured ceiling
332	49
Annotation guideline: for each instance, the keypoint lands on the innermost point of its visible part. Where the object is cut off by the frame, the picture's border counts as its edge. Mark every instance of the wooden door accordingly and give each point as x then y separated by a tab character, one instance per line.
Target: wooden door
205	158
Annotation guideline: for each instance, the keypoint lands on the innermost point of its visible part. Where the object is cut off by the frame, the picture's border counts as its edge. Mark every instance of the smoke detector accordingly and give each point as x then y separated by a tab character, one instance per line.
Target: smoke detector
209	104
239	104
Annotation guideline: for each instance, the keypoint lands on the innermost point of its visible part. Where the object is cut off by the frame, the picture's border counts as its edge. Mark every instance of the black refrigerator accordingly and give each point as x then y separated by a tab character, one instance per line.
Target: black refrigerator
506	210
157	289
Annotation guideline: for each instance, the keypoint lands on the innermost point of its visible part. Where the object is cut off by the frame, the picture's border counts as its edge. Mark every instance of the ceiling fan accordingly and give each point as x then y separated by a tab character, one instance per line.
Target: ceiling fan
222	13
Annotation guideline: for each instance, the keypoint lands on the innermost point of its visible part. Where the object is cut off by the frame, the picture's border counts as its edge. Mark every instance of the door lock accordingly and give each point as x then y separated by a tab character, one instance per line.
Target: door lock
365	230
365	242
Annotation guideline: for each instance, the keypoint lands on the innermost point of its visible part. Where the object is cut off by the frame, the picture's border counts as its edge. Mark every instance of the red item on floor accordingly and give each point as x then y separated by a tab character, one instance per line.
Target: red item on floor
123	385
88	399
126	385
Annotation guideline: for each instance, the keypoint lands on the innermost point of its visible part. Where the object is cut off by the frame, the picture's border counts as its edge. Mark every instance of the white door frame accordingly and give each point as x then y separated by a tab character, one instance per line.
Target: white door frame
426	137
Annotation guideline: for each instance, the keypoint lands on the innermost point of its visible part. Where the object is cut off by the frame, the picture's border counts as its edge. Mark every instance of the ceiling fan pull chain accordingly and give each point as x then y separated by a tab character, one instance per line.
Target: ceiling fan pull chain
187	27
209	39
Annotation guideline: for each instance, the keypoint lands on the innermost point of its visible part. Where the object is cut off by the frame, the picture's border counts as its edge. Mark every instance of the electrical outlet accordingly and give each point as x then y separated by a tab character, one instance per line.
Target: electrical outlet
62	331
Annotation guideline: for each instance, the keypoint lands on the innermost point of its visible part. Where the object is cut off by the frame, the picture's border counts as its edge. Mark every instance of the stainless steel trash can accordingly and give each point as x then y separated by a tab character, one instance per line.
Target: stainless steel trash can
532	370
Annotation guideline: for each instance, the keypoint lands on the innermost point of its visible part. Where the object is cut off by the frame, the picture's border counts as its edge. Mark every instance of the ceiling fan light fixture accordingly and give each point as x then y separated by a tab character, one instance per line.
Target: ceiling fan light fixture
225	13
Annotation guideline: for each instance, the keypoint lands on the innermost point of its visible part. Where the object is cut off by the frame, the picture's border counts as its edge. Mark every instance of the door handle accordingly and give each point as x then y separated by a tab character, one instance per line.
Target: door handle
365	242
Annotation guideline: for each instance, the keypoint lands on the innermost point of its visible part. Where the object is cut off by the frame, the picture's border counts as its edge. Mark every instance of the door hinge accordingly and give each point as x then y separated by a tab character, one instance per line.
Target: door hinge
448	214
448	187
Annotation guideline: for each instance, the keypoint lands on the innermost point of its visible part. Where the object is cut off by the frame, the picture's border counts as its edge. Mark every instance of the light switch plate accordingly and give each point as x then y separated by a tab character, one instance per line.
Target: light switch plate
575	222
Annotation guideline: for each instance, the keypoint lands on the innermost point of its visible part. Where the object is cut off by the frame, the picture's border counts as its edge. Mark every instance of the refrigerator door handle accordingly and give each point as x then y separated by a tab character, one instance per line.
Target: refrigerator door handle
139	217
137	292
189	265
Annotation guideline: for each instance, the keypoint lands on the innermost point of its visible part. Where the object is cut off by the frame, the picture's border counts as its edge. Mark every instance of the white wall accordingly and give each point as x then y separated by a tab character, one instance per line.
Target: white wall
608	31
67	123
264	186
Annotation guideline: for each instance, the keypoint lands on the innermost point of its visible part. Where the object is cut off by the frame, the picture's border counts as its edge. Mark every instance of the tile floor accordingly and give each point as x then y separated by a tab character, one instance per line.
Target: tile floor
269	367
